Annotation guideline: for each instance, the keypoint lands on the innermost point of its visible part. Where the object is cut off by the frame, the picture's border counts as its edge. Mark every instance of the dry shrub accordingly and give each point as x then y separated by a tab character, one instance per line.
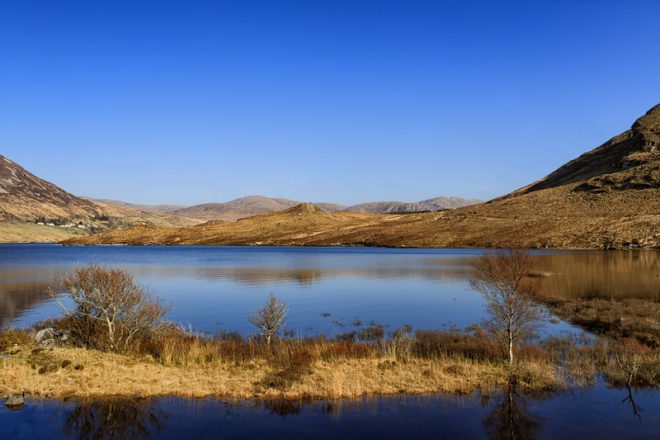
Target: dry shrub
270	319
632	363
435	344
402	342
291	363
111	310
342	349
373	334
10	337
533	353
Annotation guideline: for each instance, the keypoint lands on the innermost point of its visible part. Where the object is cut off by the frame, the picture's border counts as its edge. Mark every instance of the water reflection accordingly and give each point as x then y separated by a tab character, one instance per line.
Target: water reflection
196	280
633	405
114	419
595	412
603	274
510	418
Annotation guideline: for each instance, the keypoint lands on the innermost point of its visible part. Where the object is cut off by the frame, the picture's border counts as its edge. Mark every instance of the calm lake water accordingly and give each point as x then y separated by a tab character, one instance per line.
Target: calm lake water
217	288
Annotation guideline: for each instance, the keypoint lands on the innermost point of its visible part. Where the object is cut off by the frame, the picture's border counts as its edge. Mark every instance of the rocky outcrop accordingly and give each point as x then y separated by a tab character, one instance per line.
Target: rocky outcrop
629	161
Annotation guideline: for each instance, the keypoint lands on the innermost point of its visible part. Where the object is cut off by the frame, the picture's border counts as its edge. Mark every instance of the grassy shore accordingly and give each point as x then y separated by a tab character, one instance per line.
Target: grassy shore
613	318
313	368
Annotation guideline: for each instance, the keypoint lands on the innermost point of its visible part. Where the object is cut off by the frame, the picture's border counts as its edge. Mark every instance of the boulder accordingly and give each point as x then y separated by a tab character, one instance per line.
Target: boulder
15	401
49	336
44	334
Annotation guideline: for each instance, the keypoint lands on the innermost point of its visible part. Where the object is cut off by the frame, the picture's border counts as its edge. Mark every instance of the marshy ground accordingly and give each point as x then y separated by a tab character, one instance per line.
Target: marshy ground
179	364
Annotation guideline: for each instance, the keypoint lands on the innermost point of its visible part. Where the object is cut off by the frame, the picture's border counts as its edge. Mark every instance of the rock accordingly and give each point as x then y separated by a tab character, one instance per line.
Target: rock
15	401
49	337
44	334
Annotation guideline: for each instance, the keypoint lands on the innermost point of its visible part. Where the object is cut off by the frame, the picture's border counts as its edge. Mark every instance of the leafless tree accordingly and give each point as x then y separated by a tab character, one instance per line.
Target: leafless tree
110	301
270	319
503	278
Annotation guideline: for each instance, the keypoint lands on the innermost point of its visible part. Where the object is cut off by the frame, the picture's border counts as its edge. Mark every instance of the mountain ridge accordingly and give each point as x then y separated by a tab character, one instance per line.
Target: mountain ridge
606	198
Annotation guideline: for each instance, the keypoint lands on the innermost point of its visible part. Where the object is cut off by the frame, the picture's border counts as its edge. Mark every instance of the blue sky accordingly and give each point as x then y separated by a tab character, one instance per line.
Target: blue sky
344	101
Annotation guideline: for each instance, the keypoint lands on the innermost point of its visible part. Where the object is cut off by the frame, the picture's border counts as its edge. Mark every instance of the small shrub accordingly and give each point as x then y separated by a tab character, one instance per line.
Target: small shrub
111	311
270	319
373	333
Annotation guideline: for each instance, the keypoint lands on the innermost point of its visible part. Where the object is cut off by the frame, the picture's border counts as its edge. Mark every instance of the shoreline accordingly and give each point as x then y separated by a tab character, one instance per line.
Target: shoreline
66	372
330	246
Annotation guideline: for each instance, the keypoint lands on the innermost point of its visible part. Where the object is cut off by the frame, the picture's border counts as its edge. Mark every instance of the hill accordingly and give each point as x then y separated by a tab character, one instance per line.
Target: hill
157	209
237	208
35	210
253	205
608	197
435	204
26	197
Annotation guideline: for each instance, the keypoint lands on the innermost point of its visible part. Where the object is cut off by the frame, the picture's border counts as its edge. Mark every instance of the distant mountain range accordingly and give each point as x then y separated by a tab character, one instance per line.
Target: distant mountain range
435	204
31	207
607	198
253	205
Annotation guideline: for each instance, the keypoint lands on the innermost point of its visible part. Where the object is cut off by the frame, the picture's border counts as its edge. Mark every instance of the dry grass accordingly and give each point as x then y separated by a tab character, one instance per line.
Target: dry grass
615	318
11	232
231	367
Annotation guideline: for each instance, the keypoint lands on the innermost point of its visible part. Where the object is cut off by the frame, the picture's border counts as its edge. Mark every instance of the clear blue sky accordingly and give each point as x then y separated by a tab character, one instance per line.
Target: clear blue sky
344	101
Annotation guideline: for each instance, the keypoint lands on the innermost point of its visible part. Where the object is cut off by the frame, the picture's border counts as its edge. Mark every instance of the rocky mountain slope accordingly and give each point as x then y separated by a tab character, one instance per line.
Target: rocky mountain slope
33	209
608	197
26	197
435	204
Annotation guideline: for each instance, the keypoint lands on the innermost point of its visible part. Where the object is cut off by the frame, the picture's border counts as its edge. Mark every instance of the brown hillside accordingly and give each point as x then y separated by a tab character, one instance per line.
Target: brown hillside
35	210
608	197
26	197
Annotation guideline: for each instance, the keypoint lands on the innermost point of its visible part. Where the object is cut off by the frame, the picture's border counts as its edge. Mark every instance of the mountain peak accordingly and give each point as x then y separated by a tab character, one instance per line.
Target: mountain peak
630	160
304	209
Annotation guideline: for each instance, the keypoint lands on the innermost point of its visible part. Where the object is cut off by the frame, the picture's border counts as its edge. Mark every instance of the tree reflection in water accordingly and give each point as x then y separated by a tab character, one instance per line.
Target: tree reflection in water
510	418
117	418
633	404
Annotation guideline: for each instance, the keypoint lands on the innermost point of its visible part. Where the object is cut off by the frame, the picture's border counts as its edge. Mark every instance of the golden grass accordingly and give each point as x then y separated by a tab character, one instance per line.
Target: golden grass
78	372
33	233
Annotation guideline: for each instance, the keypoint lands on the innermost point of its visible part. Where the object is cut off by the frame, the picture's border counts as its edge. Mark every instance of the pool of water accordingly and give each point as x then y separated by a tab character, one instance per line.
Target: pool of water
329	291
598	412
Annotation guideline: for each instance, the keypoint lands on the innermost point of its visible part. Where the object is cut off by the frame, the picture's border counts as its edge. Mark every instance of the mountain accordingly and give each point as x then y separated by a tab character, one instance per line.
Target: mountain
33	209
254	205
245	207
441	203
435	204
237	208
606	198
157	209
26	197
386	207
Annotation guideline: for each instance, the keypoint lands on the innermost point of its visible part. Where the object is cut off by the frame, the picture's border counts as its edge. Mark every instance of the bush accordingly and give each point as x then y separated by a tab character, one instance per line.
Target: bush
111	311
270	319
434	344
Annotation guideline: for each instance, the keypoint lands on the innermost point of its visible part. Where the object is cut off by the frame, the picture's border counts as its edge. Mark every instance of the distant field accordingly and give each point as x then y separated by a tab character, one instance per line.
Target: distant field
33	233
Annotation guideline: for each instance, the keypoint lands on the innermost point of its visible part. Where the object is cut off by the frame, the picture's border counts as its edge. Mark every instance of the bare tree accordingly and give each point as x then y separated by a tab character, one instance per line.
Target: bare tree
270	319
503	278
109	300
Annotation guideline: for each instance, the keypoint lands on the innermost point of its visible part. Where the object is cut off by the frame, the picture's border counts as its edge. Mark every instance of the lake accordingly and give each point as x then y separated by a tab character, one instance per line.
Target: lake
330	291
